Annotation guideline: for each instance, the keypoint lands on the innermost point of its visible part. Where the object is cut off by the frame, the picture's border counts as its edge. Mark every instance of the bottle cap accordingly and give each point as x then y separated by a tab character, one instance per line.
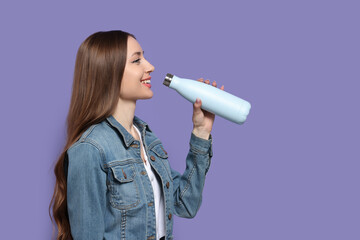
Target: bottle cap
168	79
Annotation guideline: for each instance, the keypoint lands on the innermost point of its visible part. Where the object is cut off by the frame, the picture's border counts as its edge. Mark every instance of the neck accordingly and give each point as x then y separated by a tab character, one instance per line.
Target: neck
124	113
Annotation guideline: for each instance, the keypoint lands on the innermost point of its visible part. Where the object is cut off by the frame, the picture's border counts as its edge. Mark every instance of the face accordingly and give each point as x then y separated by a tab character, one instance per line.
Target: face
137	68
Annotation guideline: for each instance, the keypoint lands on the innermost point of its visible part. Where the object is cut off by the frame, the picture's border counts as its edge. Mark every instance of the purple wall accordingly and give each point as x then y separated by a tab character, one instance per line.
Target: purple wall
290	172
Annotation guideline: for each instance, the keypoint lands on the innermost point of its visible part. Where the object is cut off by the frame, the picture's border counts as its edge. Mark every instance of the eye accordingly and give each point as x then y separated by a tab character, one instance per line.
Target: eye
136	61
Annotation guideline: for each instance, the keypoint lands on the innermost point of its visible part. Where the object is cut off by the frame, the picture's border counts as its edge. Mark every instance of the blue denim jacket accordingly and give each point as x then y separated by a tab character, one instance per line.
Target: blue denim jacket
109	194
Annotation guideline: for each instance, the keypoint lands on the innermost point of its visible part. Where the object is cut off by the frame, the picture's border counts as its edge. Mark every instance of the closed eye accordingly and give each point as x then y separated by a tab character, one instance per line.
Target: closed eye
136	61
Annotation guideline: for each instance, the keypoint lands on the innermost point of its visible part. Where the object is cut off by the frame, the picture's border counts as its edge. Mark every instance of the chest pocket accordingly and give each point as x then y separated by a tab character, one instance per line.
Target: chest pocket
124	192
162	155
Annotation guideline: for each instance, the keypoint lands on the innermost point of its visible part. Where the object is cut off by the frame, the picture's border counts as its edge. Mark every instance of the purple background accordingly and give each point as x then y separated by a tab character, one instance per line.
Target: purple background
290	172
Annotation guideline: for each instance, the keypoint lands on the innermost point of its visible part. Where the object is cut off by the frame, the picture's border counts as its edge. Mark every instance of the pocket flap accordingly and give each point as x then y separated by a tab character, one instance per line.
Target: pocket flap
123	173
160	151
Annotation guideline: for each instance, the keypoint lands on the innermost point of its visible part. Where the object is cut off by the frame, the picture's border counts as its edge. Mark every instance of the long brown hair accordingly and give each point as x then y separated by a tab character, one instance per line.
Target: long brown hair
99	68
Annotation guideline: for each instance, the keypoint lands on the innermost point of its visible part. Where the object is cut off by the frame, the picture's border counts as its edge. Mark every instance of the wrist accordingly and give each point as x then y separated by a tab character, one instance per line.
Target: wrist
201	133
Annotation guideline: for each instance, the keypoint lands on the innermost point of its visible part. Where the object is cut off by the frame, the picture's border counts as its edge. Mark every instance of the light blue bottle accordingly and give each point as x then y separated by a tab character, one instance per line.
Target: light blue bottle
213	99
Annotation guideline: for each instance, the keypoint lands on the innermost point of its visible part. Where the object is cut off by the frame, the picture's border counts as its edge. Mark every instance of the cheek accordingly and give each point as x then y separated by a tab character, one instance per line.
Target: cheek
134	72
131	77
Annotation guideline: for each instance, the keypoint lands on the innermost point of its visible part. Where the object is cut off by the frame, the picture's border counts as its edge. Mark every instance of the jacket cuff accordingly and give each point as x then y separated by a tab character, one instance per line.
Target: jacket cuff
201	145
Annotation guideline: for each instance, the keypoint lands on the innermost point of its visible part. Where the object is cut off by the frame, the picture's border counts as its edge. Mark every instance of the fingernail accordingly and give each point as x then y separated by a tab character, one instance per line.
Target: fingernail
197	100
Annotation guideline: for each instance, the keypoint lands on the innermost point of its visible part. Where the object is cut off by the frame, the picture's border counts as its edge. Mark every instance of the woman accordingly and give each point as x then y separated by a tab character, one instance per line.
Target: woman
113	178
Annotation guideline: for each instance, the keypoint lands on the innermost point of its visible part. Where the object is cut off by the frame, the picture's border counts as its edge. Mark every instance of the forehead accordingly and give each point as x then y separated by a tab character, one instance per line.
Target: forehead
133	46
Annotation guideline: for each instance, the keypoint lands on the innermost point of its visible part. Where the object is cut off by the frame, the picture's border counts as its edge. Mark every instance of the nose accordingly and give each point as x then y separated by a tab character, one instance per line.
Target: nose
149	68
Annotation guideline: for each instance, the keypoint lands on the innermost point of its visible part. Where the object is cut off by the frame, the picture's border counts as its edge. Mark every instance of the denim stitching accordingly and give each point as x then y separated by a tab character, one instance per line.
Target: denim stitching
129	206
189	177
197	150
133	170
97	146
208	166
123	224
86	134
122	162
151	145
167	170
90	141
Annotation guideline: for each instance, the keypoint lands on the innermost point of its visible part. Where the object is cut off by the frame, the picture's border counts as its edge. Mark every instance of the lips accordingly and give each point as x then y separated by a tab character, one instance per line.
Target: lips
145	79
146	82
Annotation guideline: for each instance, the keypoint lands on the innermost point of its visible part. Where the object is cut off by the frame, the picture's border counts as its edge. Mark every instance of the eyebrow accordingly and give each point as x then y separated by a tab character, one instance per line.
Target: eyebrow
137	53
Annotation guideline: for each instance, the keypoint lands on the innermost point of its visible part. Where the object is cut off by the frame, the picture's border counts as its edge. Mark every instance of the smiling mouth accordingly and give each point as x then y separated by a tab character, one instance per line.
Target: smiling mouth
146	81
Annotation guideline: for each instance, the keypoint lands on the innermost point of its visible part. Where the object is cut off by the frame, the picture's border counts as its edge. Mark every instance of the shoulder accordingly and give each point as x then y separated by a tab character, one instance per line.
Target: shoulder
85	155
97	135
92	143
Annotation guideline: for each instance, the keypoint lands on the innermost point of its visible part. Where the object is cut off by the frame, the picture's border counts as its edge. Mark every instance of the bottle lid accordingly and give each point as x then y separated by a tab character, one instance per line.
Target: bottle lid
168	79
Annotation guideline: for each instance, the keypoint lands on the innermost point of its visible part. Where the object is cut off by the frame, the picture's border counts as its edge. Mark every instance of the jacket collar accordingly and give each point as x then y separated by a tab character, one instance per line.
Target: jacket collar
127	137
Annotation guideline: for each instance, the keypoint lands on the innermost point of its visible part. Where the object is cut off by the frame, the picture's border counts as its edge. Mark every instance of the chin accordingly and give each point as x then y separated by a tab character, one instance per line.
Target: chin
151	94
148	96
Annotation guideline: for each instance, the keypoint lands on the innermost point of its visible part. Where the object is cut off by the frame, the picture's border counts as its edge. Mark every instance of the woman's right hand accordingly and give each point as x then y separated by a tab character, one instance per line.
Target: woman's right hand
203	120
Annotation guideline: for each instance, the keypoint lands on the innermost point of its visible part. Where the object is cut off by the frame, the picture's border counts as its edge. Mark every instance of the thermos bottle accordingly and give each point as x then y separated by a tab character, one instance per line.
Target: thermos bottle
213	99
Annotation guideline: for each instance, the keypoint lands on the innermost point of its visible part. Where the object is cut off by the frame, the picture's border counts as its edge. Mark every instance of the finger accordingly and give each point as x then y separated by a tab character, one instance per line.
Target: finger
222	87
214	83
207	81
197	105
201	79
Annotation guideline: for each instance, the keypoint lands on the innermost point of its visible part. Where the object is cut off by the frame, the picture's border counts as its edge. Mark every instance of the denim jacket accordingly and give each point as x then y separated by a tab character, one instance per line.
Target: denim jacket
109	195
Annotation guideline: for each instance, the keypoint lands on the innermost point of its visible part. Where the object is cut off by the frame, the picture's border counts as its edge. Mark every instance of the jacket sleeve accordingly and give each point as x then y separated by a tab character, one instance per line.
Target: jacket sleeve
86	192
188	187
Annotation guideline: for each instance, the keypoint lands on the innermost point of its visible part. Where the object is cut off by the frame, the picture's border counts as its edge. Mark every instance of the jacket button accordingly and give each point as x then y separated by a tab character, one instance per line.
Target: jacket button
134	145
143	173
170	216
167	184
150	204
152	158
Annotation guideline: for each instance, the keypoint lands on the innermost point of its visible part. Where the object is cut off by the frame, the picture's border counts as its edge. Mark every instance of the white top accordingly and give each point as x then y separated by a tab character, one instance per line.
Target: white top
158	194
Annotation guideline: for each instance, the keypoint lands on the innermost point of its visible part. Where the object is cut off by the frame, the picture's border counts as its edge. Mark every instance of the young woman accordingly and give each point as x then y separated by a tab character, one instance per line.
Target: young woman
113	178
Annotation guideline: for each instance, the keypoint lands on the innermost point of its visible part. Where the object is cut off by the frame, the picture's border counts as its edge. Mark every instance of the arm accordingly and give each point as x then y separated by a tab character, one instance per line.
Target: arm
86	192
188	187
